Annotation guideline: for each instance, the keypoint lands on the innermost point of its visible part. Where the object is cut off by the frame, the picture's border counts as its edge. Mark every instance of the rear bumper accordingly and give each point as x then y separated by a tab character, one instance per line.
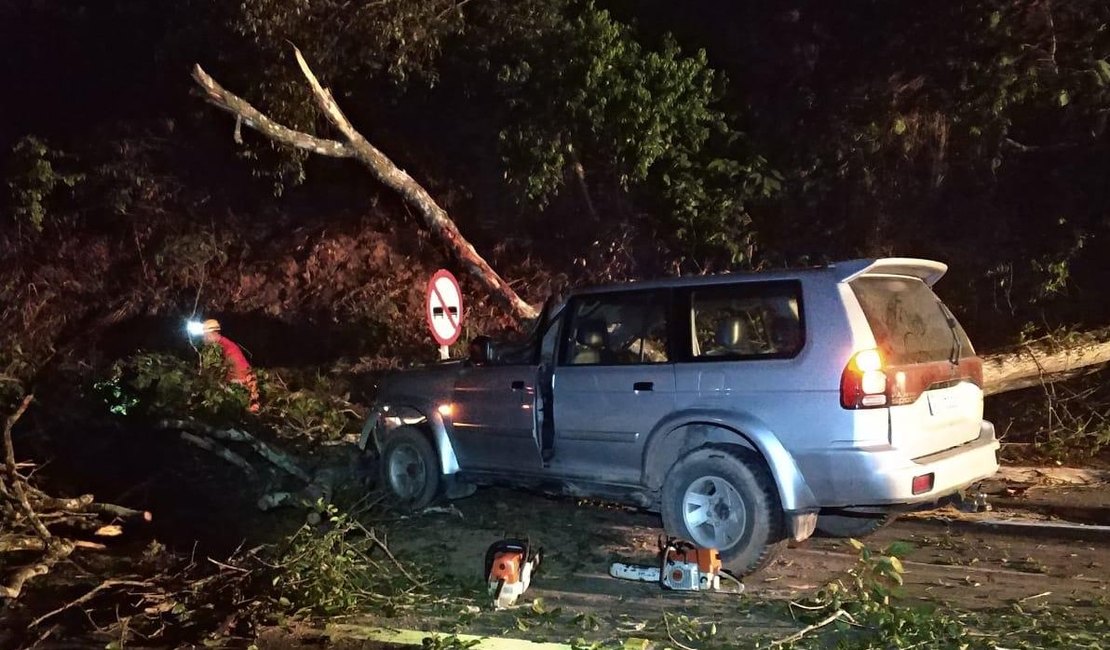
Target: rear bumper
883	475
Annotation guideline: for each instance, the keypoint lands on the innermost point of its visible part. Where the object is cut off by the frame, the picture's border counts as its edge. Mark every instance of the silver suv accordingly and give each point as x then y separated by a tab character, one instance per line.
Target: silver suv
746	408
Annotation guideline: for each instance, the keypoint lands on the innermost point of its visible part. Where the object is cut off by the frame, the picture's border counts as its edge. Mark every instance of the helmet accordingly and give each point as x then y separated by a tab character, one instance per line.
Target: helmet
211	325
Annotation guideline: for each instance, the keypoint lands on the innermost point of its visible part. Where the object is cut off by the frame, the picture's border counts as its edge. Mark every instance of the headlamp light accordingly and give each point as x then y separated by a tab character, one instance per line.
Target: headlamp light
194	328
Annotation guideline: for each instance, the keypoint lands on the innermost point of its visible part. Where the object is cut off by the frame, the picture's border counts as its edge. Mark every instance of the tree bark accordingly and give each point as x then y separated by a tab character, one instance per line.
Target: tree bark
221	451
1034	365
381	167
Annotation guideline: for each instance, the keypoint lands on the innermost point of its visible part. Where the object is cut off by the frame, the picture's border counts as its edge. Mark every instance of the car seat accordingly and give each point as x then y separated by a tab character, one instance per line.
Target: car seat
591	343
732	337
786	334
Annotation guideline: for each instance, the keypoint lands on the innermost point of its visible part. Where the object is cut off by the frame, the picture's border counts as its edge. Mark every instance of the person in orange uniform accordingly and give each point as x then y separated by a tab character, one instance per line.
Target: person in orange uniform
239	369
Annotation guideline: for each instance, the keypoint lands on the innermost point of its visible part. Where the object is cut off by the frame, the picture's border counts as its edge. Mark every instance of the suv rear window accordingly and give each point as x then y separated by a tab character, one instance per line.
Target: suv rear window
749	320
909	321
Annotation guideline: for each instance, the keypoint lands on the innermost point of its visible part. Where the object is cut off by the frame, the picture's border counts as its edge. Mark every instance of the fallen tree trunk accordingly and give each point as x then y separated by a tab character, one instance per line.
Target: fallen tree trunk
280	459
381	167
1033	365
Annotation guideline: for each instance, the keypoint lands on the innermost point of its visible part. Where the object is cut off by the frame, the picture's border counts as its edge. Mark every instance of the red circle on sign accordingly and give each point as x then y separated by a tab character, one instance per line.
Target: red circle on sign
449	315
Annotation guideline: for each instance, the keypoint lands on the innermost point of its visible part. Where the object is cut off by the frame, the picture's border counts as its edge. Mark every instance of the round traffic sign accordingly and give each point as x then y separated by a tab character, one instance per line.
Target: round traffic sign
443	307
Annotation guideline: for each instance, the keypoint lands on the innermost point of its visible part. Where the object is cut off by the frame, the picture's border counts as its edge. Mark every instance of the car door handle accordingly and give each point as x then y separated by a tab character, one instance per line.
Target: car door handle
643	385
517	385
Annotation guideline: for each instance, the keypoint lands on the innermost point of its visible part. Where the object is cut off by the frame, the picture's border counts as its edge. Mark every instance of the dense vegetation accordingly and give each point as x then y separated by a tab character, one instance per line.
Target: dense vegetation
572	141
673	139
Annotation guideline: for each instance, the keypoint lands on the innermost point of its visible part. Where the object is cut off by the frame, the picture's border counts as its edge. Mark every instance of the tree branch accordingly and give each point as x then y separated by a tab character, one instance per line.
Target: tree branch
58	550
107	584
381	167
13	474
398	180
252	117
1014	145
837	615
278	458
221	451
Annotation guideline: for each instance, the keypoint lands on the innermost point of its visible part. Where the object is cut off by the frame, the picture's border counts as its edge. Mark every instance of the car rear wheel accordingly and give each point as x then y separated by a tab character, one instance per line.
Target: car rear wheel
719	500
855	526
409	471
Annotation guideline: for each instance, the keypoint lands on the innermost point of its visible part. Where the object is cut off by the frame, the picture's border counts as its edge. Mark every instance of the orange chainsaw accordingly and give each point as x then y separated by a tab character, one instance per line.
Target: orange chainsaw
682	567
510	564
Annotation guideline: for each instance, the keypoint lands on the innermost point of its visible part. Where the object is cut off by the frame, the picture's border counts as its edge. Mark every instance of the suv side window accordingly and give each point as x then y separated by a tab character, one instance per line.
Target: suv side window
618	329
748	320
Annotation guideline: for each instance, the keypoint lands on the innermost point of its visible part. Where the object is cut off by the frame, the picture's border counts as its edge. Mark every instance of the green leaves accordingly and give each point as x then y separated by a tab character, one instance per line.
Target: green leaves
33	181
157	385
869	596
638	125
1103	71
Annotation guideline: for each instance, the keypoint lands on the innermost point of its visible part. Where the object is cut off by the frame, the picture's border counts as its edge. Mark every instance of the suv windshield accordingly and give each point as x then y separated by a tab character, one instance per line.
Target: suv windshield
909	322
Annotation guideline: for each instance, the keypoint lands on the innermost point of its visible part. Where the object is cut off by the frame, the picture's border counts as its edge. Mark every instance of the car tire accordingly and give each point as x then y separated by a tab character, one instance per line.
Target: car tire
853	526
738	502
409	469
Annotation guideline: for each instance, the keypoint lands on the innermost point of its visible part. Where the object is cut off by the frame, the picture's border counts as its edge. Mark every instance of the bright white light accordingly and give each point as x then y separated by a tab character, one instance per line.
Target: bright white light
194	328
869	360
873	382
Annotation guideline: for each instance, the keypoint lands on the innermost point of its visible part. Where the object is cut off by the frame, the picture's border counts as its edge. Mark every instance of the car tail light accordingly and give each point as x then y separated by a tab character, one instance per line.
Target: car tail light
923	483
864	383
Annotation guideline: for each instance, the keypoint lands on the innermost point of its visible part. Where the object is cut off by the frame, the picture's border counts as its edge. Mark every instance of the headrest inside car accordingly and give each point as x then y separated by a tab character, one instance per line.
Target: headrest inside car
591	334
731	332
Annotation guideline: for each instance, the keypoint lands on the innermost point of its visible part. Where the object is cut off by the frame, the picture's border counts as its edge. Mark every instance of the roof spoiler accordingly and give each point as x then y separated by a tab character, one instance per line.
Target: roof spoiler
928	271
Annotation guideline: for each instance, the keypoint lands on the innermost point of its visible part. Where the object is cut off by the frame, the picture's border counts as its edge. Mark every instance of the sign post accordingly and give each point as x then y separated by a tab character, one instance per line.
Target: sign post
443	308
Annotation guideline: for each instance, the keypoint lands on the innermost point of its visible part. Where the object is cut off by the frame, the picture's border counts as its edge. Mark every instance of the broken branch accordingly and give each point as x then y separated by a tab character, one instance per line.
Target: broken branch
13	473
278	458
837	615
400	181
221	451
380	166
57	550
107	584
252	117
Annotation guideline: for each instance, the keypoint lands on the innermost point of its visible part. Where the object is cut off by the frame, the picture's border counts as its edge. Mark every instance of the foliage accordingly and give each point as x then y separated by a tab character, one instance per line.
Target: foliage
342	567
692	629
1064	421
315	410
162	385
329	571
869	596
924	130
156	385
381	44
33	180
399	37
628	119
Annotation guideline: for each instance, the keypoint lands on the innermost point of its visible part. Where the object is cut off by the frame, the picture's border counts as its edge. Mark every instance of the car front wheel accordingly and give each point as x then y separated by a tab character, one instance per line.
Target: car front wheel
409	471
716	499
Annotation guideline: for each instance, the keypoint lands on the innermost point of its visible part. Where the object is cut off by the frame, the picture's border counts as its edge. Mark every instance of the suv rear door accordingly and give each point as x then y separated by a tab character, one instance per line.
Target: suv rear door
936	402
